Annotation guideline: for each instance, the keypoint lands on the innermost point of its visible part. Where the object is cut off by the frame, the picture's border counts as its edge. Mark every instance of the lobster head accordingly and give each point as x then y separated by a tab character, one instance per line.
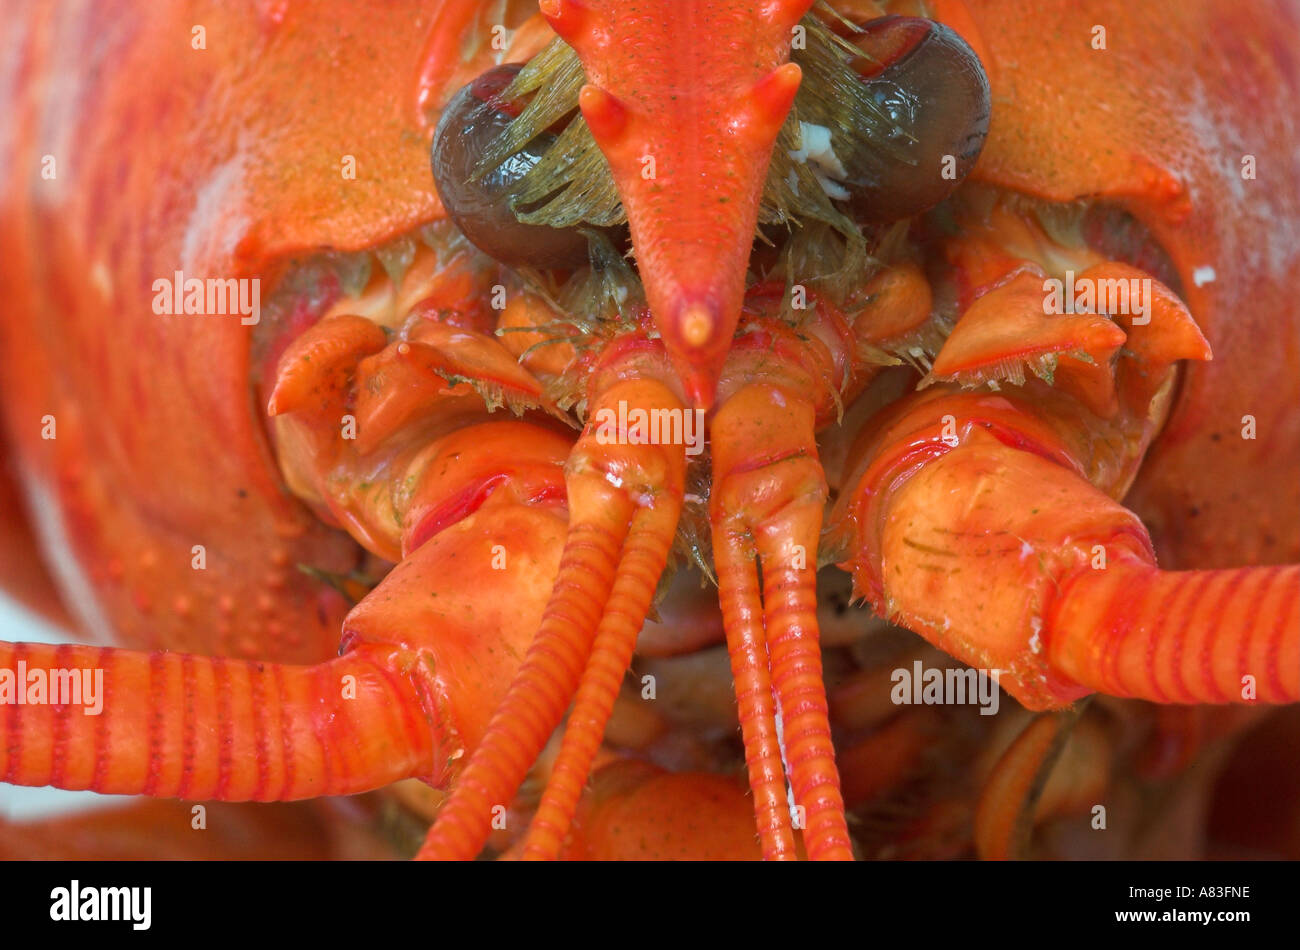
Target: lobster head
722	146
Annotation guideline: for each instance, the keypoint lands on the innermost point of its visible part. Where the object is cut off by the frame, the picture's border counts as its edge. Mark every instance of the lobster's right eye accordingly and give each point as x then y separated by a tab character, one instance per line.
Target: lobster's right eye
475	116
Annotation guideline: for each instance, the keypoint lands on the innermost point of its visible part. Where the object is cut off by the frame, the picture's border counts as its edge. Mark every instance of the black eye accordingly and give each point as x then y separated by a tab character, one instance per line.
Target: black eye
473	118
931	84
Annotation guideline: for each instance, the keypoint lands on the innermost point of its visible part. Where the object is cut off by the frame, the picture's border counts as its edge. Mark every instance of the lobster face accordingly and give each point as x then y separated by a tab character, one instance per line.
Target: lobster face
290	147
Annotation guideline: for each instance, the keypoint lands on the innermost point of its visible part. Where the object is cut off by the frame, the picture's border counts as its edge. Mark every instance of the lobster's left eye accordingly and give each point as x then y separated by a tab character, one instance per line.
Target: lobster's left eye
931	86
480	207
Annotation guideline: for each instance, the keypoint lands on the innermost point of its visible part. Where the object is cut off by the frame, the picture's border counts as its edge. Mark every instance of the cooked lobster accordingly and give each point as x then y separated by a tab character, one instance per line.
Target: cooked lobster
358	364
